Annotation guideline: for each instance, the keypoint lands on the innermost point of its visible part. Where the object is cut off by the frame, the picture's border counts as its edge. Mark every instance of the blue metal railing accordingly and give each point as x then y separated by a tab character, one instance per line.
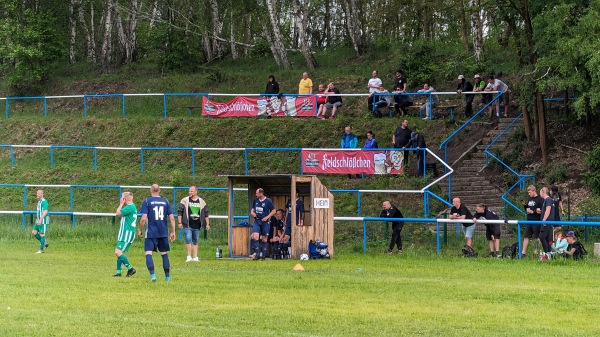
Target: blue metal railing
444	144
521	178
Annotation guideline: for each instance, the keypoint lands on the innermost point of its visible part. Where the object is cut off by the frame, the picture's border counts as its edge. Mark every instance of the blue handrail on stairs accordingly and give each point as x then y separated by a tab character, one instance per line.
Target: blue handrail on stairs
444	144
522	178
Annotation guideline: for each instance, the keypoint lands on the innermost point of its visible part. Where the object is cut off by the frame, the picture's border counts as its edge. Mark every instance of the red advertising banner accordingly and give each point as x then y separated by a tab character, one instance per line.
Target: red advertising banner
295	106
352	162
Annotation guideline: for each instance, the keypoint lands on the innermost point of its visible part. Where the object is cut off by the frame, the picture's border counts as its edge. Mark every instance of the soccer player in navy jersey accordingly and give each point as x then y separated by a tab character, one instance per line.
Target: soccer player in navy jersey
155	210
262	211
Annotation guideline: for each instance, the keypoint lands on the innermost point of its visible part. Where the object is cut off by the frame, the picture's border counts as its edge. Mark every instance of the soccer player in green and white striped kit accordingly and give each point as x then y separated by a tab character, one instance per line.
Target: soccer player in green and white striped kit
128	213
42	221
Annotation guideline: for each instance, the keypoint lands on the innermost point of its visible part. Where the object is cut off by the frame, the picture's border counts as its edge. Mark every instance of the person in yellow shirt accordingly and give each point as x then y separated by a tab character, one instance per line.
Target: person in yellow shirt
305	86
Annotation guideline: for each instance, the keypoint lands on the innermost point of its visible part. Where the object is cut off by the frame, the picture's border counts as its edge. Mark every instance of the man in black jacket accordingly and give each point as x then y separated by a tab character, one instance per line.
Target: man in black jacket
533	208
418	141
390	211
400	138
466	86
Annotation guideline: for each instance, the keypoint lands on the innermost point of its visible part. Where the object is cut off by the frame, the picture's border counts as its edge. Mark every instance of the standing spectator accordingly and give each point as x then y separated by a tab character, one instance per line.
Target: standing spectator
430	98
466	86
42	221
495	84
401	137
128	213
155	210
305	86
299	214
558	204
192	215
271	92
334	101
418	141
533	208
460	212
391	211
399	89
272	86
492	230
370	143
349	140
547	215
479	86
373	85
262	211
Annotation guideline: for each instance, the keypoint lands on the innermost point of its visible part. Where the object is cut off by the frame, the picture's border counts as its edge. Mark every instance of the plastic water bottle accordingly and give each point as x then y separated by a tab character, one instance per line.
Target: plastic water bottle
219	253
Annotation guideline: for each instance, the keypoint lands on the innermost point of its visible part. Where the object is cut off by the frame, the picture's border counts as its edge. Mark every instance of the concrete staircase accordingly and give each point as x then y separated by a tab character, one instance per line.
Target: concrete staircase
468	183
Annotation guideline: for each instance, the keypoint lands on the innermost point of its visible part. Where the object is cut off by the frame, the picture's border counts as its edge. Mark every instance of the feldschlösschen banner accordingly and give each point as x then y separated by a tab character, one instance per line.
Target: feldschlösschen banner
352	161
295	106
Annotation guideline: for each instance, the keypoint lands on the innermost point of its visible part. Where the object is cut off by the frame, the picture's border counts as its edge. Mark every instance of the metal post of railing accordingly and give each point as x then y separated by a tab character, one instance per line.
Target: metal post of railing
123	106
71	201
95	159
51	157
358	201
6	104
24	221
365	236
142	158
193	162
12	156
430	103
437	237
24	196
519	240
84	106
45	107
246	160
164	105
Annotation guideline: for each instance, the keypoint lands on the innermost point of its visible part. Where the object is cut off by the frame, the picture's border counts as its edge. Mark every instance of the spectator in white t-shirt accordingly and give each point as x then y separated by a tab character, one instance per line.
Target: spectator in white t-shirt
373	85
495	84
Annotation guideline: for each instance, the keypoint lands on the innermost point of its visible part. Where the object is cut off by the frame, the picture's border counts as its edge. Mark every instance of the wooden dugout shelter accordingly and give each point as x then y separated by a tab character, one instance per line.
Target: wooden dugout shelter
318	215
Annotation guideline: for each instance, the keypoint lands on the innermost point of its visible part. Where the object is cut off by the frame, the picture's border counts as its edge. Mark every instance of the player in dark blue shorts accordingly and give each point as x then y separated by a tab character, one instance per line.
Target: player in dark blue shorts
262	211
155	210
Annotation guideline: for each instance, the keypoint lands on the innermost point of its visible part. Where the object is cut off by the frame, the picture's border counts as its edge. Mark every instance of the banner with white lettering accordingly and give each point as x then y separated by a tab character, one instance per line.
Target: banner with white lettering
352	162
295	106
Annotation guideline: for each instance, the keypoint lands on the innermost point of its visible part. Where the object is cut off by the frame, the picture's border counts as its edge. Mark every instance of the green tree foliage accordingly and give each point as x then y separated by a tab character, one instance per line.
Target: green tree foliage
32	42
593	163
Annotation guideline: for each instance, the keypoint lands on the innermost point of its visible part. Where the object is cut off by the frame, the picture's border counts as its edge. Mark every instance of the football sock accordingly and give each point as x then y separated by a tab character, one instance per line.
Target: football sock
38	236
42	242
119	263
150	263
166	264
254	245
125	261
263	248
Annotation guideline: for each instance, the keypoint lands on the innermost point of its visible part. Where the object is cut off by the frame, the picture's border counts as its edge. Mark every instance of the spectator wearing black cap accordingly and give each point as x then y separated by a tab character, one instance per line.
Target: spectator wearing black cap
466	86
418	141
575	249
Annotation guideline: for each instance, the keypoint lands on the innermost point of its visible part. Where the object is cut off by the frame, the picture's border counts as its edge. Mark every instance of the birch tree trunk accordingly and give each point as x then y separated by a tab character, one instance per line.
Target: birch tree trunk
90	41
73	31
234	53
217	48
153	16
477	30
299	12
353	24
127	35
106	43
269	38
277	43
